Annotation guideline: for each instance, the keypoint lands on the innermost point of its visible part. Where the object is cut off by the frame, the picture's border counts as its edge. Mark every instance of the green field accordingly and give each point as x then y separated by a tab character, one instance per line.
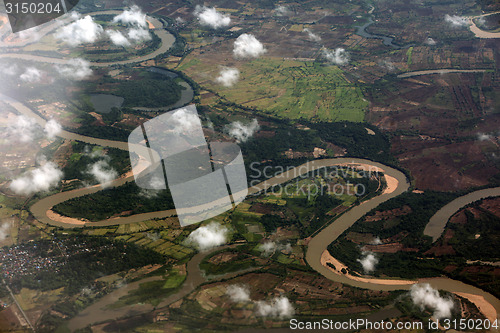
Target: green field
293	89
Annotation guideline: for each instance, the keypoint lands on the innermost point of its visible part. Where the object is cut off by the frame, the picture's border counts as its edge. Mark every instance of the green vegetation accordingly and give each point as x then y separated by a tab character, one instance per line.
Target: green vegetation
295	90
238	261
110	202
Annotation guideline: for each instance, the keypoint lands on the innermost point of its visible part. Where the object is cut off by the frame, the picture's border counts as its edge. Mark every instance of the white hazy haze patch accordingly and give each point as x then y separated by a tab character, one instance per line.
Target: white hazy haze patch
242	132
238	293
40	179
208	236
430	41
31	75
368	261
4	230
83	30
456	21
211	18
52	129
133	16
282	10
279	307
23	129
269	247
483	137
339	56
247	46
102	172
75	69
312	36
424	296
117	38
228	76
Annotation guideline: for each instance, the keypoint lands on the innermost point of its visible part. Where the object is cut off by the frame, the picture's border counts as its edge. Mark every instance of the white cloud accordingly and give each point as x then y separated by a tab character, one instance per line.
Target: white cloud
40	179
280	307
52	129
210	17
339	56
184	121
483	137
208	236
9	69
312	36
247	46
424	296
368	261
31	75
376	241
23	129
102	172
133	16
139	35
228	77
282	10
456	21
83	30
242	132
4	230
238	294
117	38
267	248
389	65
430	41
76	69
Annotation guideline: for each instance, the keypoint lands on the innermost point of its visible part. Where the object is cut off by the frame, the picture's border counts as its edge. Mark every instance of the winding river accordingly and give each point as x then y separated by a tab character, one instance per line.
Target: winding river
316	247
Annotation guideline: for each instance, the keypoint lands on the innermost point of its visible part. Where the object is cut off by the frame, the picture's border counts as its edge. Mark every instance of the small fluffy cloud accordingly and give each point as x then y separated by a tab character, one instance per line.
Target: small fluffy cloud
456	21
247	46
211	18
282	10
430	41
102	172
208	236
376	241
139	35
117	38
52	129
23	129
183	121
40	179
228	77
280	307
483	137
83	30
242	132
389	65
133	16
312	36
31	75
4	230
368	261
9	70
339	56
238	294
424	296
76	69
267	248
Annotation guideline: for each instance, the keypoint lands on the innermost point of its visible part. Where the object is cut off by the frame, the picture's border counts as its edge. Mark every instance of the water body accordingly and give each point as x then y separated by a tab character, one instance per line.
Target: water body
105	103
388	41
187	94
438	221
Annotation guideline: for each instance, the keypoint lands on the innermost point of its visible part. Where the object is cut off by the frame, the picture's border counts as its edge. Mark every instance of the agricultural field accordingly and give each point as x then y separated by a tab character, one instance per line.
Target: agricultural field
290	89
